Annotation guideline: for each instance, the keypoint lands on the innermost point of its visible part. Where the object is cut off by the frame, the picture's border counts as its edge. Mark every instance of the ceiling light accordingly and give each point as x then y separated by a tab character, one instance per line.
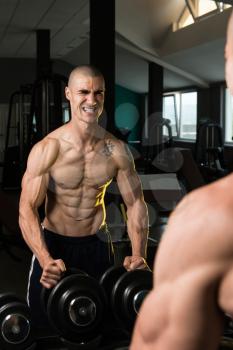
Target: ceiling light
221	6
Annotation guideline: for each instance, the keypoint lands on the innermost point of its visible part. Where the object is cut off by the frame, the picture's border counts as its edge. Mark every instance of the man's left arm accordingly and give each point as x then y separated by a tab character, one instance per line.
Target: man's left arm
137	214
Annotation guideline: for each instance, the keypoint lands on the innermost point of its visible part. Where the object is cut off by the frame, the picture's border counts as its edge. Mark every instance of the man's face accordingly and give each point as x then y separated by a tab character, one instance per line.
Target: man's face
86	96
229	57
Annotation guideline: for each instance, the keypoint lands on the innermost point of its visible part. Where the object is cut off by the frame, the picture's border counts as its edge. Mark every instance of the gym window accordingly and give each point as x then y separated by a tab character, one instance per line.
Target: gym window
170	112
228	117
181	109
196	10
65	112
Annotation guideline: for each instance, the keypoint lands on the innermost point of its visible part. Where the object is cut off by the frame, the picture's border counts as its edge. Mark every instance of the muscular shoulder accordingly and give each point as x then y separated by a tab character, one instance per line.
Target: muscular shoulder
43	155
209	207
121	153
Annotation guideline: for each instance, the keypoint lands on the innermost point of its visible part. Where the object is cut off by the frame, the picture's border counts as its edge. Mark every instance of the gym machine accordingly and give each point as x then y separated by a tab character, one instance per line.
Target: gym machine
209	151
49	108
159	139
16	143
34	111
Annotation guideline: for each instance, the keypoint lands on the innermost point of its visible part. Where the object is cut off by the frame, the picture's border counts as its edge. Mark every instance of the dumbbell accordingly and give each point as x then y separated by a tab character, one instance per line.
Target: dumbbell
125	292
75	307
228	326
15	324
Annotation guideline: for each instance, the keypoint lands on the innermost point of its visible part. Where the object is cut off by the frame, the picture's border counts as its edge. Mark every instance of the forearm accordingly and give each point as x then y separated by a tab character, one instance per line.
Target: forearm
31	229
137	225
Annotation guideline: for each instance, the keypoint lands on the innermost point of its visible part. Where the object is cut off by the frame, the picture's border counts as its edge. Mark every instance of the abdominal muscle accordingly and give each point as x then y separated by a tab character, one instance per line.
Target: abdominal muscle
73	216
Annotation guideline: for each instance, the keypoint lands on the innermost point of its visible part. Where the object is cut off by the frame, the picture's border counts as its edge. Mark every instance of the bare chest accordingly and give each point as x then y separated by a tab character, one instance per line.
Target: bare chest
78	169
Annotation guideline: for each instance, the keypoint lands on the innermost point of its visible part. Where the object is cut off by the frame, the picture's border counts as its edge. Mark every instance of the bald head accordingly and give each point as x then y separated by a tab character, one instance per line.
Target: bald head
86	92
84	70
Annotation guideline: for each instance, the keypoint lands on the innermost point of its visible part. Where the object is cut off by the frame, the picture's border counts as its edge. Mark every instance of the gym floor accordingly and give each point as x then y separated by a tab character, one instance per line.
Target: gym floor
14	255
14	269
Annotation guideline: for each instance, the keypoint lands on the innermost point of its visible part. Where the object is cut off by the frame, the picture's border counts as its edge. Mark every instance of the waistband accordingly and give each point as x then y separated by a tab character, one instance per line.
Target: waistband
101	234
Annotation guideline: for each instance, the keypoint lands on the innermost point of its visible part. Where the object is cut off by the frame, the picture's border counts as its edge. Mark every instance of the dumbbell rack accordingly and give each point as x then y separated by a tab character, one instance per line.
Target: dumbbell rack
84	313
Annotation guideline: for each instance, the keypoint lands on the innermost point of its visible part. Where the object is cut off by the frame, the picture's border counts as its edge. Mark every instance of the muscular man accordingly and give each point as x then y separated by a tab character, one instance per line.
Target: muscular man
193	269
71	169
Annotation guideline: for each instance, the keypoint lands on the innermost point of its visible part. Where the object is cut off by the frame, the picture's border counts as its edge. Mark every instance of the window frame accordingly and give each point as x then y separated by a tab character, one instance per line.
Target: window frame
191	8
224	119
178	117
175	111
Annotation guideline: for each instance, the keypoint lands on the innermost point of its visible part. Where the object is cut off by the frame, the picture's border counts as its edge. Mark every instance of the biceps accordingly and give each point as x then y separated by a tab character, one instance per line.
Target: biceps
33	190
130	187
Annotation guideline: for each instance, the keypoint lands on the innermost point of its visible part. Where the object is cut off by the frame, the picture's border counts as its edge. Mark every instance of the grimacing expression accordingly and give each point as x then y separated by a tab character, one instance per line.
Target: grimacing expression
86	96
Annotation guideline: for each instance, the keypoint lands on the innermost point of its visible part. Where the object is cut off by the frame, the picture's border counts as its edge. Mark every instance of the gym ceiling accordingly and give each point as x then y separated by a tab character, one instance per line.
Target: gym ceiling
191	56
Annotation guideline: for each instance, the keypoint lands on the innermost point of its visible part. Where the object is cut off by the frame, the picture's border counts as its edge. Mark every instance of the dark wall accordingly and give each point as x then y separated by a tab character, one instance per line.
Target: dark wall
209	104
19	71
127	112
203	105
15	72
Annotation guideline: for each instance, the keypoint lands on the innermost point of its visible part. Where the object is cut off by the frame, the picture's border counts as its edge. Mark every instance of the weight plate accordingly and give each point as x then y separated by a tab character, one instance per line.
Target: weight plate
128	294
226	343
15	326
75	298
109	278
6	298
45	292
74	271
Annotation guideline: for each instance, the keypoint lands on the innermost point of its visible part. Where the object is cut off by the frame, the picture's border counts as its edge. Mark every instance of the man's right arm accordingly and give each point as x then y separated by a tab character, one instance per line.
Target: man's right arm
34	188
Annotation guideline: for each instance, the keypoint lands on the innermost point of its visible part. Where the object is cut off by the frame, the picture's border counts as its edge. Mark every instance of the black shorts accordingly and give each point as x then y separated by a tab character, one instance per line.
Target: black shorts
92	254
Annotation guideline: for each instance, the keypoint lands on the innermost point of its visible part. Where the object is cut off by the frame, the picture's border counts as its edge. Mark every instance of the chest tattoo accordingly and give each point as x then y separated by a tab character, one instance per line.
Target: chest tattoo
108	149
